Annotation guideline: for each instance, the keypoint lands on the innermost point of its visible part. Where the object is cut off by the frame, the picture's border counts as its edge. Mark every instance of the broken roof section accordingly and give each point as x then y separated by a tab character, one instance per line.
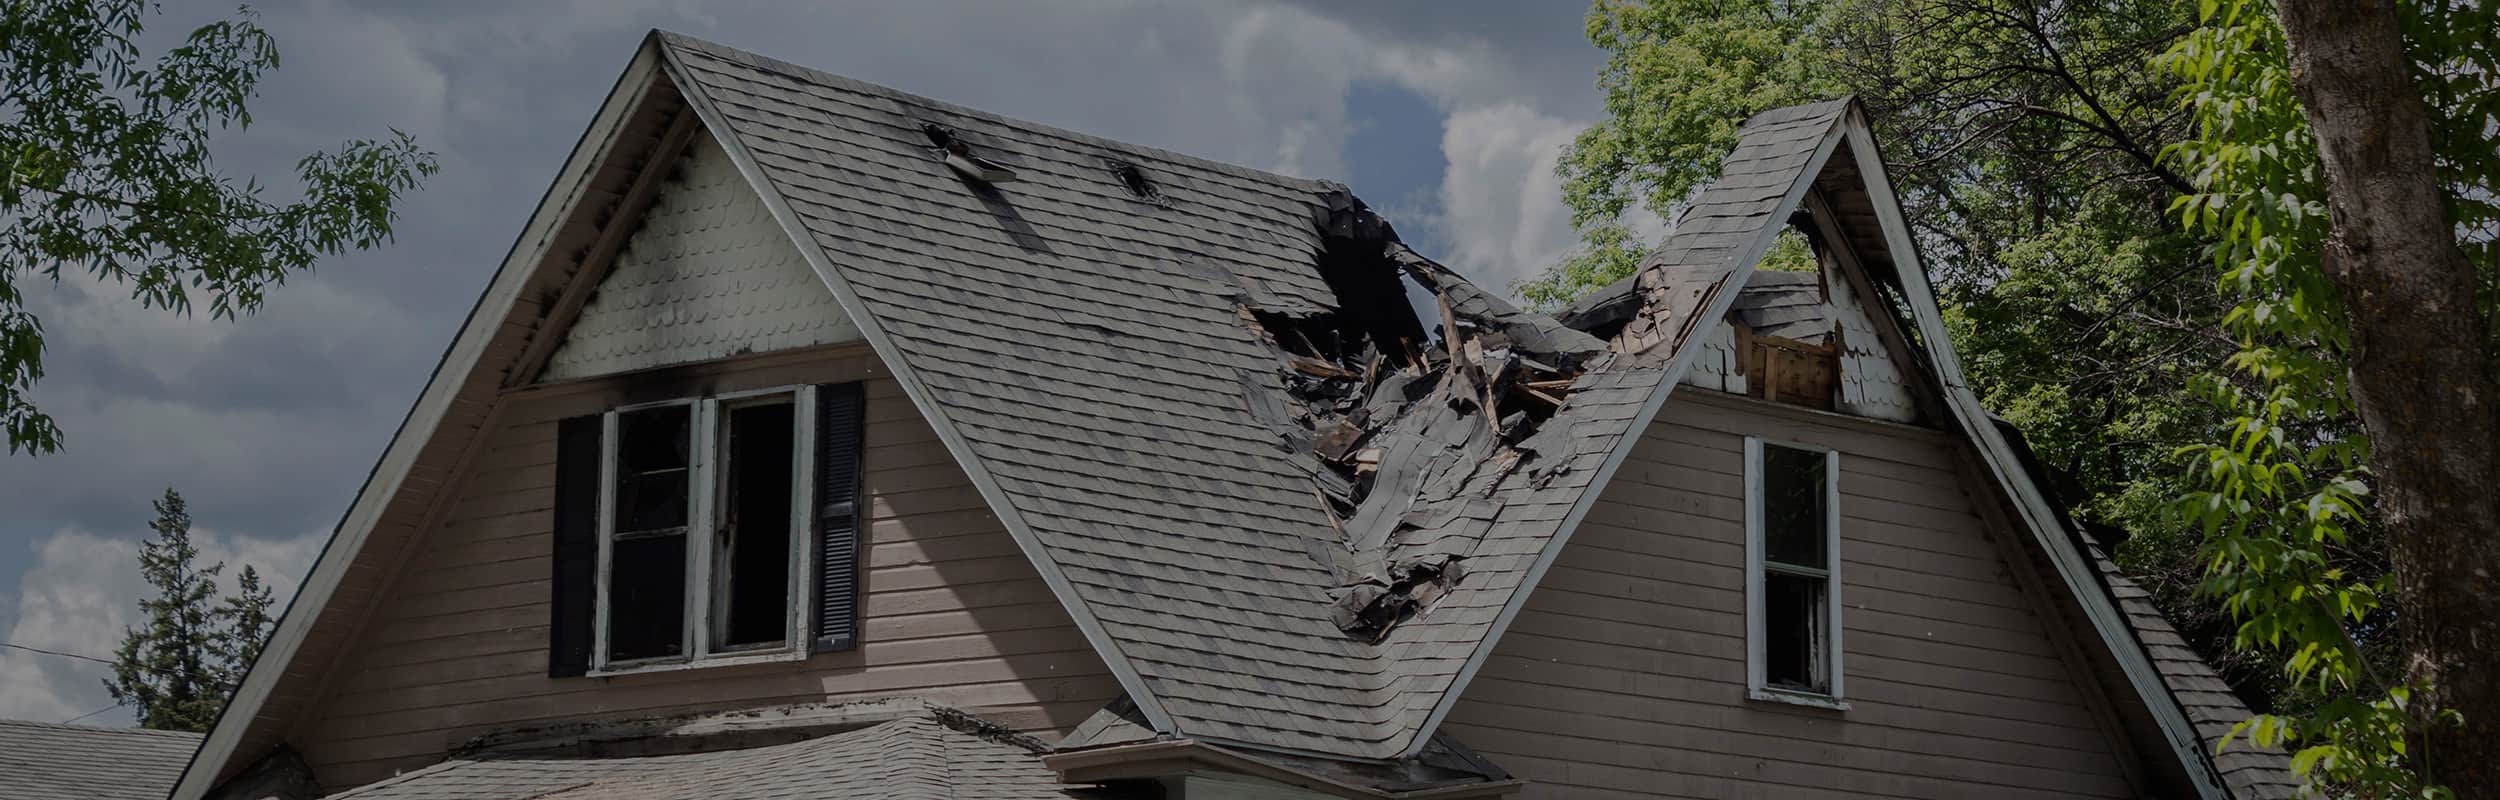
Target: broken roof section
1289	514
1286	510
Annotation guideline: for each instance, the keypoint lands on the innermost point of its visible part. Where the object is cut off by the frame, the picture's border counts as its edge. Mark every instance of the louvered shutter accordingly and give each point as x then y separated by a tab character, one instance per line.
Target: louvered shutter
571	611
838	434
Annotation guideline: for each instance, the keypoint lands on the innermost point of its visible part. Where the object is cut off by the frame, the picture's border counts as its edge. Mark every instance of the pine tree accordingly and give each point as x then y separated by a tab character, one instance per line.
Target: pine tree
246	626
178	669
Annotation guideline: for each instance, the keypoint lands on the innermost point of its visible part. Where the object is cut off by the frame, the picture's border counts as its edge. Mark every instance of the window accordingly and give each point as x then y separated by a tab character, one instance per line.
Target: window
1792	582
702	530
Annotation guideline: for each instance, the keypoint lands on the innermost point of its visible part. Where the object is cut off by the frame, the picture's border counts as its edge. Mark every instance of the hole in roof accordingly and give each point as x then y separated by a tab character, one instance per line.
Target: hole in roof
939	136
1134	177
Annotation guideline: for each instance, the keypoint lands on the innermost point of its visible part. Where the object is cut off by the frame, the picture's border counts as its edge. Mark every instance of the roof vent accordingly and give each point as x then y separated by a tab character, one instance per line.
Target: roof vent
1134	177
958	156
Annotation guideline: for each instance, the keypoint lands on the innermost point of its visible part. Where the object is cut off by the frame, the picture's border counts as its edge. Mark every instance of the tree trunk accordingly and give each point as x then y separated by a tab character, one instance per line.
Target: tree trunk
2419	375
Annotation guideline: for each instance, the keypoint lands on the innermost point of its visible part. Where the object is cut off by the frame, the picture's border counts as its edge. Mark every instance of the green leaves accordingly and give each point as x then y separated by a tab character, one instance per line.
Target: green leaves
105	168
2283	498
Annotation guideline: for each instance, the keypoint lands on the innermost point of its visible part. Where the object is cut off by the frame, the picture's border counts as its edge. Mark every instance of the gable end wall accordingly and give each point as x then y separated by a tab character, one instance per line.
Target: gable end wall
1624	676
953	612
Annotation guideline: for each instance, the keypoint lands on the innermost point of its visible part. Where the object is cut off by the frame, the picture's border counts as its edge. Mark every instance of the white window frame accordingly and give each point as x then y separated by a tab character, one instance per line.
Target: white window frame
1758	686
705	455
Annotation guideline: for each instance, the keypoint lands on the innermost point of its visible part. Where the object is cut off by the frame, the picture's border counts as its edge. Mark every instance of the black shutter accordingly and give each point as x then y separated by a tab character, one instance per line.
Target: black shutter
838	433
570	611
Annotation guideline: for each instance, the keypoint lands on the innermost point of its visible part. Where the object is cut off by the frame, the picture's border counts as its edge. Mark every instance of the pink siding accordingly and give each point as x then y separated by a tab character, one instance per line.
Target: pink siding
458	645
1624	676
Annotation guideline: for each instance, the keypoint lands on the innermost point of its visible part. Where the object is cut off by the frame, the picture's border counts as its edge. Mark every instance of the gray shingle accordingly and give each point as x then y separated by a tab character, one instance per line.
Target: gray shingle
2249	771
40	761
1087	348
939	754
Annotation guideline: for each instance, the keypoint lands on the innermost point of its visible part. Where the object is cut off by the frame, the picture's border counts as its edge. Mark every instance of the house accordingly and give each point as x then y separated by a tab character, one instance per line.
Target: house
820	438
44	761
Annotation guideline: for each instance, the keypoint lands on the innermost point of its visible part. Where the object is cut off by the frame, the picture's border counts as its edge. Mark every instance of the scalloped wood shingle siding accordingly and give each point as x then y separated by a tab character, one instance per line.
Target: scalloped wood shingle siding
708	275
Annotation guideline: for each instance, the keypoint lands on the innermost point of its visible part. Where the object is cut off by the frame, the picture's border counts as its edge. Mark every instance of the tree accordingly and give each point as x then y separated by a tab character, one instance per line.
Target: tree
2421	371
2025	138
2346	161
105	169
179	668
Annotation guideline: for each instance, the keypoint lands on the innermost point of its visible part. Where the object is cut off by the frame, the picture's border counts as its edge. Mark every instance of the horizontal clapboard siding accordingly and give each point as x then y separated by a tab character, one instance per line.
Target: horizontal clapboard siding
457	647
1624	675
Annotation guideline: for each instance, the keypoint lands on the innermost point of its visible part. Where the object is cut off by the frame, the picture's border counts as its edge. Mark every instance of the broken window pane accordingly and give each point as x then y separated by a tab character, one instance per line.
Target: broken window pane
1793	513
1792	627
751	585
652	468
646	597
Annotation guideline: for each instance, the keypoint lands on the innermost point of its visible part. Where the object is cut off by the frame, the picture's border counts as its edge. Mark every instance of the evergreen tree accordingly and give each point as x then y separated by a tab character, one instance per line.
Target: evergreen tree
177	669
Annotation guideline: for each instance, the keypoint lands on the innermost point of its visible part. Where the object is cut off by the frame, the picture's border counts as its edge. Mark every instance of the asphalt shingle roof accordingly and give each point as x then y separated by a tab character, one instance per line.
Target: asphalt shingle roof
43	761
938	755
1087	346
2249	771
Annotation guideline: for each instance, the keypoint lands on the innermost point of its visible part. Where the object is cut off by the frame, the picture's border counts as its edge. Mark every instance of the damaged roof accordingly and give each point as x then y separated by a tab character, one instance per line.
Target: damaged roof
936	753
41	761
1114	372
1291	512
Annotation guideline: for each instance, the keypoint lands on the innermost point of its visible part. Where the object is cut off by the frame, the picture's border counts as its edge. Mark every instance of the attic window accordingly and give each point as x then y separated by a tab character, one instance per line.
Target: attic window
1134	177
1792	575
706	492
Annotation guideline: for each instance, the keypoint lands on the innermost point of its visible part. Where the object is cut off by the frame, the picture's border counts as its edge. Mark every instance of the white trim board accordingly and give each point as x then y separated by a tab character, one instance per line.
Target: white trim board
1967	414
1757	566
1671	377
451	376
908	378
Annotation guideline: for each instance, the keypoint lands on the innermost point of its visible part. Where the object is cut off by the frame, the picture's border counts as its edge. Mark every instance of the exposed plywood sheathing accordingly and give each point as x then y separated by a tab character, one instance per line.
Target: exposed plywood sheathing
708	275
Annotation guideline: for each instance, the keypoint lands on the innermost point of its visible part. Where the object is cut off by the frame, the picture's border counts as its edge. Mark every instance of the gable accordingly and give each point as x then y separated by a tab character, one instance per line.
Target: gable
706	274
456	647
1105	342
1625	672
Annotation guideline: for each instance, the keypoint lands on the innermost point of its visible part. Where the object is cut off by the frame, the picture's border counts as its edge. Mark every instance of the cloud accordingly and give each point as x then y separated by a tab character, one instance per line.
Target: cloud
79	594
1501	201
269	424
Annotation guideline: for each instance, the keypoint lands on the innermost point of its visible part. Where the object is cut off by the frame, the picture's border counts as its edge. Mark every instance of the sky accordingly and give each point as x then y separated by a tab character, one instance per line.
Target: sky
1446	116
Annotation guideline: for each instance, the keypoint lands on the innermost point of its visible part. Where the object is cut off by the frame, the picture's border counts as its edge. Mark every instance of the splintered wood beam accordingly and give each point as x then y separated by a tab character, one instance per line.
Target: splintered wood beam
601	254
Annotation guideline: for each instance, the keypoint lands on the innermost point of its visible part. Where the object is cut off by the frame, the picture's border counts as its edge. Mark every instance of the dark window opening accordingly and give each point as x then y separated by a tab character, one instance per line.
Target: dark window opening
752	555
1794	519
647	556
1792	612
647	598
1792	506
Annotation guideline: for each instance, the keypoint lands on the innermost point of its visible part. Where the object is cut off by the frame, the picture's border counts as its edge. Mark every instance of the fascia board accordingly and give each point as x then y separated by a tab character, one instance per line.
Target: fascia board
451	374
1673	375
2033	507
914	388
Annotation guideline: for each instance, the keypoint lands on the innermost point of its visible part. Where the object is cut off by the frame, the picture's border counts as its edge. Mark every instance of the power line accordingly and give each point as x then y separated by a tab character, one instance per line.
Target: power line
91	713
55	653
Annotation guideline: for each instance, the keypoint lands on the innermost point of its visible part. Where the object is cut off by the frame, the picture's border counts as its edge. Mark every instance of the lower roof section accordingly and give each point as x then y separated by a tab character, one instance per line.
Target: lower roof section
926	751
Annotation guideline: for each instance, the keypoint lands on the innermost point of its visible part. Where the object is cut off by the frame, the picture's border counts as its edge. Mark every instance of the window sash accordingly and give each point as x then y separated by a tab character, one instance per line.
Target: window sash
1758	567
705	457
